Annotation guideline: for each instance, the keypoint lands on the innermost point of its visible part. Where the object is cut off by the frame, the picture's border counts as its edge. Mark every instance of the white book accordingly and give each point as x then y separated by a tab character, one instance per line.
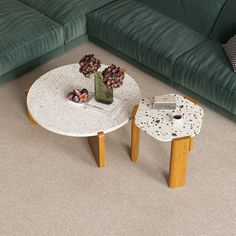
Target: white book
164	102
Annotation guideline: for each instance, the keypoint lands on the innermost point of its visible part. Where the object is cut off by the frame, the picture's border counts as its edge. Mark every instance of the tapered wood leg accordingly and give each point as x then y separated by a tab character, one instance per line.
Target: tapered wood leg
191	139
178	161
30	118
135	137
191	99
97	145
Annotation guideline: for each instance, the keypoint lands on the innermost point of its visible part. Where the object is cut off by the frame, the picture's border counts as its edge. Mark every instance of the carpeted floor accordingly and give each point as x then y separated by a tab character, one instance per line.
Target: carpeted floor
50	184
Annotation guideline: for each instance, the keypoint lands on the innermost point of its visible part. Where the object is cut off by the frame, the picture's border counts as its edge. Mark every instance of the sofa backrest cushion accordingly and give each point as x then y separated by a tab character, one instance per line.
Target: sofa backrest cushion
225	26
197	14
71	14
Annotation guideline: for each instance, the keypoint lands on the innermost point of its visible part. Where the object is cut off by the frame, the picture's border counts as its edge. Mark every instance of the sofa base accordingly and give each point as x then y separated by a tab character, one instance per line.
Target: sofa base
14	74
205	102
187	92
75	42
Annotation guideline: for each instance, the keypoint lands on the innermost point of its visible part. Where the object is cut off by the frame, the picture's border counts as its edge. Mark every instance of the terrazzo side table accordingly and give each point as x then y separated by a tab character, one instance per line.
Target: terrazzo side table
47	106
159	125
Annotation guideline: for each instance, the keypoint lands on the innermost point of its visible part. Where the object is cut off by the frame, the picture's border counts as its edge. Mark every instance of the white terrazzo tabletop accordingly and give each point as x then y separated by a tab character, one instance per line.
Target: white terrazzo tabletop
47	103
159	125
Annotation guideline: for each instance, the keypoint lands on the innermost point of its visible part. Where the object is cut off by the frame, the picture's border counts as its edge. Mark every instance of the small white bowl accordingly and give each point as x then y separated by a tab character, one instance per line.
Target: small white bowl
80	103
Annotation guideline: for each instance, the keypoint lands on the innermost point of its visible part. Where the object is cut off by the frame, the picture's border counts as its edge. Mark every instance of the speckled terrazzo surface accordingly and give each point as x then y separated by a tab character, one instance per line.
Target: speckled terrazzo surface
158	123
50	184
48	105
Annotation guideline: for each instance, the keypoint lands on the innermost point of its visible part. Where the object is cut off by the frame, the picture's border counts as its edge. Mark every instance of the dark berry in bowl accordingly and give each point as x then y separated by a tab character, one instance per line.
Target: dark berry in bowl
77	92
84	90
76	99
70	96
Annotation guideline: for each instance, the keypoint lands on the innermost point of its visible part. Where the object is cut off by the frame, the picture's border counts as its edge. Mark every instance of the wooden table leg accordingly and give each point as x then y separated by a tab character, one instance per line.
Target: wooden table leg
135	137
191	99
30	118
178	161
191	139
97	145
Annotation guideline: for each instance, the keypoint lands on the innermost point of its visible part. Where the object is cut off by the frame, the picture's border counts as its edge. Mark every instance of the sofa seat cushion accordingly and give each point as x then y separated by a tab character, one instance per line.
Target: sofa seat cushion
143	34
25	35
206	71
69	13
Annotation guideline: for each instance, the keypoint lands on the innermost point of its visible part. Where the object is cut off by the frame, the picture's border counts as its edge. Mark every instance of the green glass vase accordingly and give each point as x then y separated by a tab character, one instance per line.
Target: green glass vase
103	94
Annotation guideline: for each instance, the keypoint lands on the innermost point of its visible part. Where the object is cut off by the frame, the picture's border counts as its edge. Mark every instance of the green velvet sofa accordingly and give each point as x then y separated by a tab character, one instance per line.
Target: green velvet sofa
178	41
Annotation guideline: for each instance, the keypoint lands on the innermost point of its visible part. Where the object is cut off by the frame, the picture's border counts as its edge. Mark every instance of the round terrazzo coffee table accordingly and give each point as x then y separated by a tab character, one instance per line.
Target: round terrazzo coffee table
159	125
47	106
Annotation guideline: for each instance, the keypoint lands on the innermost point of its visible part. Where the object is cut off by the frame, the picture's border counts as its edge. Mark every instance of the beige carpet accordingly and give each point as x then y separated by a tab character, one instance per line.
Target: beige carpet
50	184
